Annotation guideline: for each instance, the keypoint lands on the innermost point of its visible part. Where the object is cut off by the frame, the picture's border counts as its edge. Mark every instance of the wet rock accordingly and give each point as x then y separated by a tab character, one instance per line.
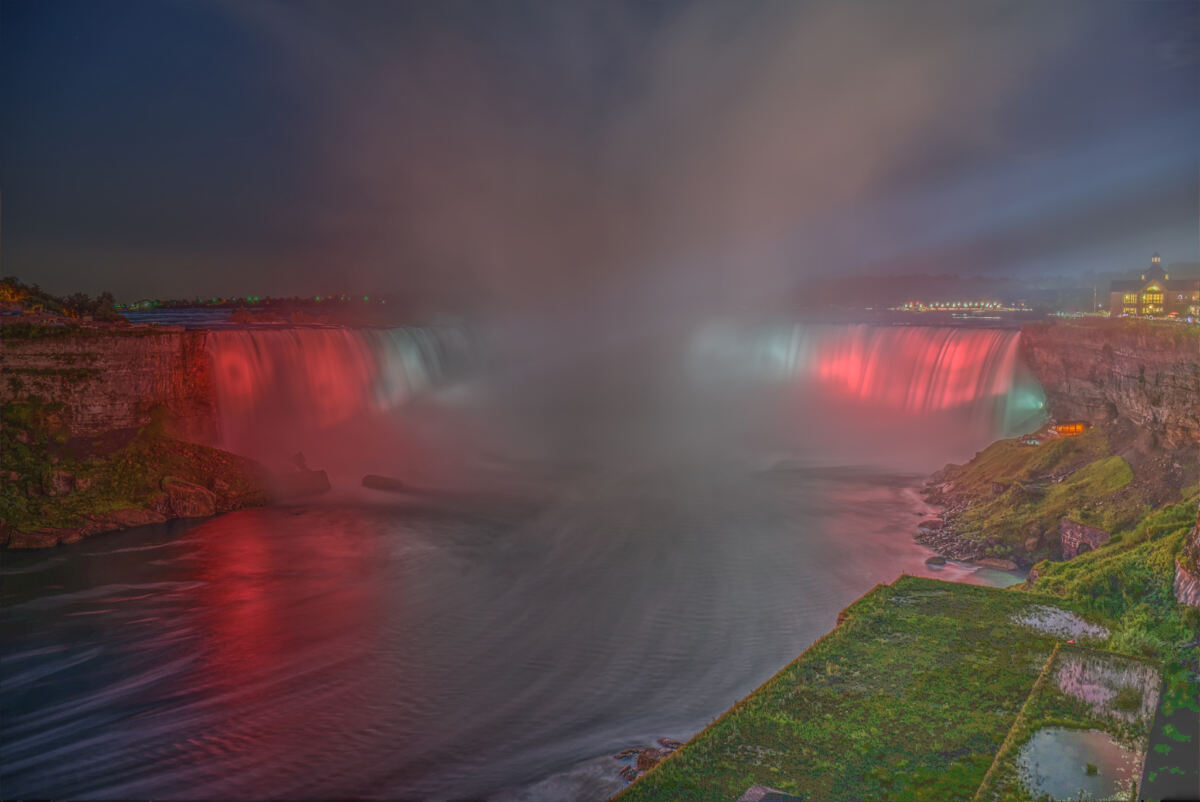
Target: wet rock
188	500
936	559
670	744
385	483
650	757
629	773
138	516
625	754
998	562
41	539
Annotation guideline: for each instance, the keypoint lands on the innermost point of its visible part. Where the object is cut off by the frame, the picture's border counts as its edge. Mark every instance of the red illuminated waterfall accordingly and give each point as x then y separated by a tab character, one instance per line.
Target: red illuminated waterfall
911	370
293	381
916	369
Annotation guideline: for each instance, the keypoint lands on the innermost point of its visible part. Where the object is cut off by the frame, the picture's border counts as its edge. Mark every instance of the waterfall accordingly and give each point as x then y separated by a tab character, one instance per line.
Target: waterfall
292	382
379	400
913	371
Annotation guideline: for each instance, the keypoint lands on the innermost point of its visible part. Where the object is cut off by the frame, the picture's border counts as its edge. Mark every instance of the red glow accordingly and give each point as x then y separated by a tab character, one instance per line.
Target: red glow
915	370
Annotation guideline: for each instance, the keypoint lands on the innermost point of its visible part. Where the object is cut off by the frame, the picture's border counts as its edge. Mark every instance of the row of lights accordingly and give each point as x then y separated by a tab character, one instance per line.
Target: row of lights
953	305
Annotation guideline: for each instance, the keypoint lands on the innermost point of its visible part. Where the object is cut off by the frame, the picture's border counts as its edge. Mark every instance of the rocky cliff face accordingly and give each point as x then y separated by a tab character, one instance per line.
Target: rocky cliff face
1113	372
111	379
1187	569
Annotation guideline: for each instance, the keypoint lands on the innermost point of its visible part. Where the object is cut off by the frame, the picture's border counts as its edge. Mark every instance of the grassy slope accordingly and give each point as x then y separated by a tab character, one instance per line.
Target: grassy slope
909	699
1048	706
33	446
1127	583
1075	477
913	696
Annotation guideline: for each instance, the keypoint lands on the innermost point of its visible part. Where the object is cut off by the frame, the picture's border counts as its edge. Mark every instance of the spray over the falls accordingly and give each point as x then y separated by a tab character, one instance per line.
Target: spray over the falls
378	398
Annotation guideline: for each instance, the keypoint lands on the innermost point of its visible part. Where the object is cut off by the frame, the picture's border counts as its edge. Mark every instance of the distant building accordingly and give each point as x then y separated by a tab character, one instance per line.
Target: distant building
1156	294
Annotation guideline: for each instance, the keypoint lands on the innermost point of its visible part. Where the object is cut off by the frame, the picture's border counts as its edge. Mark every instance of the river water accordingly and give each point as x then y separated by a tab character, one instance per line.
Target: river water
497	642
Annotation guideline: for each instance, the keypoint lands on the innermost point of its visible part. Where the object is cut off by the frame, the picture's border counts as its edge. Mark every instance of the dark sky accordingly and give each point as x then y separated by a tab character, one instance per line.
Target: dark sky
564	151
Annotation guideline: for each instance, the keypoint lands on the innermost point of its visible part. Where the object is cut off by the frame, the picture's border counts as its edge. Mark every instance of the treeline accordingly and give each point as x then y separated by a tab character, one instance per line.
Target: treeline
75	305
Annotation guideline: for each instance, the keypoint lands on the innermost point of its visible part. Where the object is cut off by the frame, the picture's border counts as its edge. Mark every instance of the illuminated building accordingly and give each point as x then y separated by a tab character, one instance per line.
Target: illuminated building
1156	294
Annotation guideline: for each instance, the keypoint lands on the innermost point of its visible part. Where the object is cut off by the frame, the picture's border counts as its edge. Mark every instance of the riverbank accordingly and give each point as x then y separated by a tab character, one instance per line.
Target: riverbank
60	489
1042	496
909	697
934	690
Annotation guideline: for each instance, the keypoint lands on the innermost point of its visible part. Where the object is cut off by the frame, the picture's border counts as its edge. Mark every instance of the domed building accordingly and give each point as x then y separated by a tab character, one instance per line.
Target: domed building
1156	294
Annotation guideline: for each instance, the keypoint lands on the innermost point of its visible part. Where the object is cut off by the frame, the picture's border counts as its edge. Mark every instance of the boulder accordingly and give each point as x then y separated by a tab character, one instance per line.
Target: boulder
936	559
1077	538
997	562
59	483
136	516
188	500
41	539
650	757
385	483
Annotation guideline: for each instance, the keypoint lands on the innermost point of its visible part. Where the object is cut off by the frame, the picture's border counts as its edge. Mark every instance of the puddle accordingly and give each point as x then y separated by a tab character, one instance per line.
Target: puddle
1123	689
1054	763
1058	622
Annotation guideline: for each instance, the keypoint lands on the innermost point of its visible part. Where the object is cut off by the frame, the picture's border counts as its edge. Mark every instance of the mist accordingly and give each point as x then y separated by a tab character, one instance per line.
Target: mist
593	184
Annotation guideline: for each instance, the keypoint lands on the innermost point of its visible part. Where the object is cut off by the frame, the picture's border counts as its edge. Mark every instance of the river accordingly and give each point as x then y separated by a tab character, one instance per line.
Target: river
498	642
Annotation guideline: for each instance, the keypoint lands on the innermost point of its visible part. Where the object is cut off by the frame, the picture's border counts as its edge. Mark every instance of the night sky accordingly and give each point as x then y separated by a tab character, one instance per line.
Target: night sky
561	151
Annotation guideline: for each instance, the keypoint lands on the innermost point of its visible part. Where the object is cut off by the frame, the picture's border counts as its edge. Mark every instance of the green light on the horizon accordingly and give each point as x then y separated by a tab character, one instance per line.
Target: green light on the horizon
366	297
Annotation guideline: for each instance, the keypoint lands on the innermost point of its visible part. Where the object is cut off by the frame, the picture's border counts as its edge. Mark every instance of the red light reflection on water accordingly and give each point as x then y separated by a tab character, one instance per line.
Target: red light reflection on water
267	596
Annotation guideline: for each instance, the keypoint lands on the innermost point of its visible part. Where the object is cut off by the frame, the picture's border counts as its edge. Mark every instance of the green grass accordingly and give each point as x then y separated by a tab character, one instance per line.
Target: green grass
1127	584
1008	462
34	445
36	331
1048	706
909	699
1018	492
929	687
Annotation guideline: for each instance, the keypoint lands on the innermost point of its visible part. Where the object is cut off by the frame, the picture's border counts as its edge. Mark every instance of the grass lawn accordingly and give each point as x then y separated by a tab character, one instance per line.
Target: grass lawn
910	698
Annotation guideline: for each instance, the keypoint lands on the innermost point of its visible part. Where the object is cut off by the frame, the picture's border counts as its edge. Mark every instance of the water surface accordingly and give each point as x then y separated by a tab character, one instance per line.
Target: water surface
500	646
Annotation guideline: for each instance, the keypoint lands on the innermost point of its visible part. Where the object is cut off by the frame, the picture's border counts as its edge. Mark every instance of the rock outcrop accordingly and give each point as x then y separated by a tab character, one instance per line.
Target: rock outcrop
1138	384
111	379
1077	538
188	500
1187	569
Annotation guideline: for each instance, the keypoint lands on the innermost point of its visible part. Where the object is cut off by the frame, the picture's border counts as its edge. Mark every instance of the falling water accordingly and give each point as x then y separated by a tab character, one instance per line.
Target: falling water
972	379
281	390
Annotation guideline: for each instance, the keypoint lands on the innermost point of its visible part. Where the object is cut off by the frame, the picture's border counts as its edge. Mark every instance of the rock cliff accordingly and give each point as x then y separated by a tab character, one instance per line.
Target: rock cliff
112	379
1187	569
103	428
1138	383
1121	372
